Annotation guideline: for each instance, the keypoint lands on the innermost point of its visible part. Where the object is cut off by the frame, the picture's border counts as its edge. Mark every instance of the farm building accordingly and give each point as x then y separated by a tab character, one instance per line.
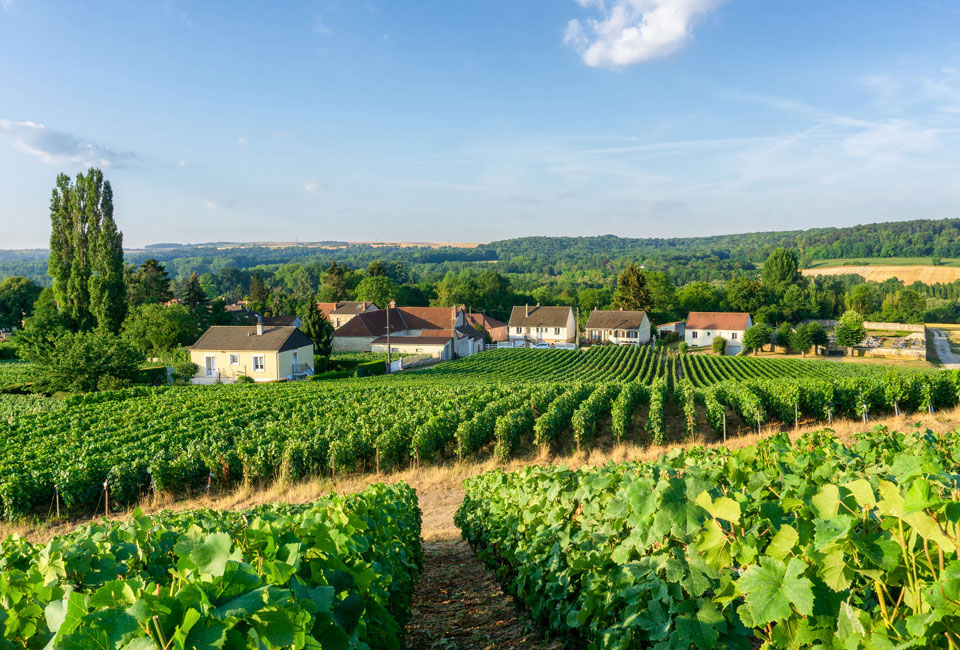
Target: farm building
618	327
704	326
496	329
675	327
340	313
536	324
225	353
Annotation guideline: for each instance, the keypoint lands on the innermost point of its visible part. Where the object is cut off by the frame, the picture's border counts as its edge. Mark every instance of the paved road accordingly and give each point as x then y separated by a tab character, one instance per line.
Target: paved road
944	353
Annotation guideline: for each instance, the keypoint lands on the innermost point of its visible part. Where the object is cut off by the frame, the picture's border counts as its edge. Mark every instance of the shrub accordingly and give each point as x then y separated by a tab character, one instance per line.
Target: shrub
719	345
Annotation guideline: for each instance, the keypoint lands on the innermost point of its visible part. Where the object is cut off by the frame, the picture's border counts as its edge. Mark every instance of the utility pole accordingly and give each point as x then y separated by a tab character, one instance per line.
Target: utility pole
388	337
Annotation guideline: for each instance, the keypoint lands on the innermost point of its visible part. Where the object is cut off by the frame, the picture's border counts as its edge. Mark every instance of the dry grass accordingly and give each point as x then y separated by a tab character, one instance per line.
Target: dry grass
906	274
440	487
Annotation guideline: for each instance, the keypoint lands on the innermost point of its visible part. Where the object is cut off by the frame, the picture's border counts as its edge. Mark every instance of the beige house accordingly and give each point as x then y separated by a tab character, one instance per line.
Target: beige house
341	313
412	329
225	353
618	327
532	325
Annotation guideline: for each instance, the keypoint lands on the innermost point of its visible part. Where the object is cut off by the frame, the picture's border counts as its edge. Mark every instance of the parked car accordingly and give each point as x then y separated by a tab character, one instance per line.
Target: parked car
541	346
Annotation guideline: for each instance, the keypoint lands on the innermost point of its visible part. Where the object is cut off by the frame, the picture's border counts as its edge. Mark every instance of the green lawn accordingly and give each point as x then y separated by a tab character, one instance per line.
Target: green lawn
882	261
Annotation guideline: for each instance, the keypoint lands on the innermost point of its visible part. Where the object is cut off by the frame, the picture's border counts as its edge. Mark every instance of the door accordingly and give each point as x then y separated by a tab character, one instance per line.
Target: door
296	366
211	366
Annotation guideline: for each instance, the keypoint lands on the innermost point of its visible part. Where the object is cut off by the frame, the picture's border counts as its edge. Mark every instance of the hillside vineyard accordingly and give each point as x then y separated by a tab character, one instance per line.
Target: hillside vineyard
117	446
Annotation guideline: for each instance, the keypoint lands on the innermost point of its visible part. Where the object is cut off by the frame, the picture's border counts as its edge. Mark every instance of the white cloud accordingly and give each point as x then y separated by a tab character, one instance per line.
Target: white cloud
242	143
311	186
184	163
632	31
320	27
6	5
219	205
57	147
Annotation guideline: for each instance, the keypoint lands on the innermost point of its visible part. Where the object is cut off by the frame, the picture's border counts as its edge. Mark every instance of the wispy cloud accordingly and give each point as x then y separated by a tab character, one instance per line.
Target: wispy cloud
242	143
940	7
321	27
312	186
226	204
6	5
177	13
632	31
57	147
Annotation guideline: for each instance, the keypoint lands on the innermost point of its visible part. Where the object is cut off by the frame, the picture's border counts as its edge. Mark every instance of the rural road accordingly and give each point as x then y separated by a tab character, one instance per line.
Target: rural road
944	353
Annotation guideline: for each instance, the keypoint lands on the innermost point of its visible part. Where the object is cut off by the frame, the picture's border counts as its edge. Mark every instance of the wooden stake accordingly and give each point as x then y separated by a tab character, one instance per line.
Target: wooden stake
106	498
724	426
56	492
333	466
758	421
377	458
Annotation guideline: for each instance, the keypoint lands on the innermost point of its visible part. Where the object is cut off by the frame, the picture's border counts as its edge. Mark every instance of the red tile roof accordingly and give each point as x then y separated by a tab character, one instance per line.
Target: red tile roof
718	320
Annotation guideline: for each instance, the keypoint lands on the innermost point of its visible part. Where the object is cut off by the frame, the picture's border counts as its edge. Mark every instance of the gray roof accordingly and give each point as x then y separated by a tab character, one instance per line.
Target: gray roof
230	338
537	316
616	320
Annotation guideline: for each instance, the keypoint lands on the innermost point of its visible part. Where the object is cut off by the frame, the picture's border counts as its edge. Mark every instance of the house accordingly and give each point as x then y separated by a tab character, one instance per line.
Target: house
532	325
703	326
411	329
496	329
339	313
225	353
618	327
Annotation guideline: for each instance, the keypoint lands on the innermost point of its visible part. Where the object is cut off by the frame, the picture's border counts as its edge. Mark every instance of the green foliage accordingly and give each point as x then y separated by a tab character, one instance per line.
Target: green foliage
719	344
812	544
148	284
84	361
317	327
17	296
802	338
632	292
849	330
378	289
782	336
781	269
336	573
194	297
156	329
756	337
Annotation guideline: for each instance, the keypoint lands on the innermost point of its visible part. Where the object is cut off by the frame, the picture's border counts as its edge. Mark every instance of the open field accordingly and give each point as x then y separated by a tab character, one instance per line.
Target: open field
906	274
881	261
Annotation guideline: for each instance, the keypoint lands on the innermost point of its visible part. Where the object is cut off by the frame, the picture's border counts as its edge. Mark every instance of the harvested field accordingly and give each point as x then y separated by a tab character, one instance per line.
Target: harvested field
906	274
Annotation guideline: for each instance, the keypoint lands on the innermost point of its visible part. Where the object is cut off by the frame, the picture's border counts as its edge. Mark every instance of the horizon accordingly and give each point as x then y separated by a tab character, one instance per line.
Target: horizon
336	121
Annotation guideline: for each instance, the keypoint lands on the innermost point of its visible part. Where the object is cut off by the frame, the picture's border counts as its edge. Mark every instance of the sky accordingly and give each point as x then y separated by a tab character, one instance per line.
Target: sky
449	120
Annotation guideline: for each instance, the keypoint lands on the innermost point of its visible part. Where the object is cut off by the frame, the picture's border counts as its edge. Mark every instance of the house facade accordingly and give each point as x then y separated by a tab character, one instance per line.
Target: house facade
704	326
417	330
530	325
265	353
340	313
618	327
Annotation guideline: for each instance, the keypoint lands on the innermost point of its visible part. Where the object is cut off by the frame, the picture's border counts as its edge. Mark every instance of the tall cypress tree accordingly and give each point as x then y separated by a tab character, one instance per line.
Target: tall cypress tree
86	253
108	290
193	294
632	292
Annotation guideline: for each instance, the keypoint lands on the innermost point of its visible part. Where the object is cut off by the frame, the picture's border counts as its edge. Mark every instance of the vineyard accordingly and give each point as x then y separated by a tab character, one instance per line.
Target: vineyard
336	573
108	450
811	544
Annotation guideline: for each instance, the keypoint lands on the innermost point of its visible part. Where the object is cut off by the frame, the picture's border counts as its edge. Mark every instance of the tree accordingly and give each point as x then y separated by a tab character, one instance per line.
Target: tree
745	294
781	269
802	338
698	296
17	296
194	296
906	306
108	289
376	268
334	279
317	327
757	336
86	252
663	293
632	292
719	344
259	295
849	330
782	336
818	335
149	284
862	298
158	329
84	361
378	289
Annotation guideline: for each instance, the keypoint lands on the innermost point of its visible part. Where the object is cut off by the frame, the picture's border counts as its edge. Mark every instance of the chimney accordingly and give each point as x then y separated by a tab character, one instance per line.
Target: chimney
527	314
393	304
259	325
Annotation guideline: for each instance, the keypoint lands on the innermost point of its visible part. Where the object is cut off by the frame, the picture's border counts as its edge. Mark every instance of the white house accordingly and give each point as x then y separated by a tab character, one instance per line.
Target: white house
704	326
225	353
442	332
340	313
618	327
532	325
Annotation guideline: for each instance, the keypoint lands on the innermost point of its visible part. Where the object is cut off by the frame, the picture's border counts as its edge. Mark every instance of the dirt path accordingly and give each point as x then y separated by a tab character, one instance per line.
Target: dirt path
460	606
944	353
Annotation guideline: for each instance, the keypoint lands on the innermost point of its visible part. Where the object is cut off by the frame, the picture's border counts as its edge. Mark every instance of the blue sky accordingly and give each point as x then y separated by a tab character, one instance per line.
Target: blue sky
474	121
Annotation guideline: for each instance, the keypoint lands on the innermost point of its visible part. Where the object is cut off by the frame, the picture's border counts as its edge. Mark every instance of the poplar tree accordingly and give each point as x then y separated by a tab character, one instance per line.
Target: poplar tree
86	253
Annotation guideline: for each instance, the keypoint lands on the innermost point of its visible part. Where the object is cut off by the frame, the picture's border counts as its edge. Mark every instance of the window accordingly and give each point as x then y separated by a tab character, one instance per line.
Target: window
632	334
733	336
693	335
258	363
556	330
519	330
234	359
